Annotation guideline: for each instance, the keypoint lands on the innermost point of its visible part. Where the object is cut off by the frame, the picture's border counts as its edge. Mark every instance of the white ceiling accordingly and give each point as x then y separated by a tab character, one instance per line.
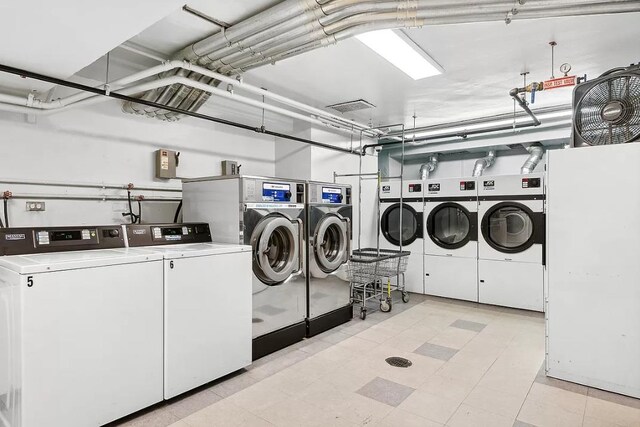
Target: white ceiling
481	61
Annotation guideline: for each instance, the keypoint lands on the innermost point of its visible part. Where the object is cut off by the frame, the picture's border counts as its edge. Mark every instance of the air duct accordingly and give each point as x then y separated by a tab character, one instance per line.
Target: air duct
535	155
484	163
430	166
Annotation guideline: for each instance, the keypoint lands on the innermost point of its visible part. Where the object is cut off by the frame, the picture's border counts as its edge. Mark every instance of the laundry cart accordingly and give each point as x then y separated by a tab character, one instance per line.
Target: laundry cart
370	271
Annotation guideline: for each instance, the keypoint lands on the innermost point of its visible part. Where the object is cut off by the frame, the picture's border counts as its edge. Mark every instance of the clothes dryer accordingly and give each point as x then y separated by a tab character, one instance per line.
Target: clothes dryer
451	242
84	327
207	303
411	231
268	215
328	247
511	258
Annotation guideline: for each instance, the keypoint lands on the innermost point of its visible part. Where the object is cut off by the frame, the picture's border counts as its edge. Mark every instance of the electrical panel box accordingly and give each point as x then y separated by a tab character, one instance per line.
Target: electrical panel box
229	167
166	163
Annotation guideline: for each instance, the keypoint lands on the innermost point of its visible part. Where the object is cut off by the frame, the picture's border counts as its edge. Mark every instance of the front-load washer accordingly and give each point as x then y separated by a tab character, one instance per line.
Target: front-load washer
267	214
328	246
511	252
84	327
207	303
411	232
451	238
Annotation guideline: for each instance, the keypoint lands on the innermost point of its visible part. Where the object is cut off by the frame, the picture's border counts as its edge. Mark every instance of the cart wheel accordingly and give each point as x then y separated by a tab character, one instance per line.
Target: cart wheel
363	313
405	297
385	306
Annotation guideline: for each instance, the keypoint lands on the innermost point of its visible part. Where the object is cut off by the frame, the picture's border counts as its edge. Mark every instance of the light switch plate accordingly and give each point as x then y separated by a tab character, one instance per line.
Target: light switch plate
34	206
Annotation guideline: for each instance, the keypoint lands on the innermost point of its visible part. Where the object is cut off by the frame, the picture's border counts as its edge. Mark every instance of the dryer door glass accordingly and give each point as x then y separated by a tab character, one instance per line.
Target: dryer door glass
390	224
510	227
275	244
331	243
449	226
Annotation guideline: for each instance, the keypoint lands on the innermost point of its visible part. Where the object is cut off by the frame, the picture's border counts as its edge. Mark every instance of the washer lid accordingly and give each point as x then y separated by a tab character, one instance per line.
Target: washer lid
198	250
60	261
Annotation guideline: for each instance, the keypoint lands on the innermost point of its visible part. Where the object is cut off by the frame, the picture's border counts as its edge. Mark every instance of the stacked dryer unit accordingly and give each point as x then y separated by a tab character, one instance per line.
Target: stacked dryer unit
81	340
268	215
511	252
207	288
411	231
451	241
328	247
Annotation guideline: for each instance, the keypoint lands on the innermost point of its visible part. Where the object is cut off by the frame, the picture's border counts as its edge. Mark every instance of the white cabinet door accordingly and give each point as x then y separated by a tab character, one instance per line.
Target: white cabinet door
207	319
511	284
451	277
91	344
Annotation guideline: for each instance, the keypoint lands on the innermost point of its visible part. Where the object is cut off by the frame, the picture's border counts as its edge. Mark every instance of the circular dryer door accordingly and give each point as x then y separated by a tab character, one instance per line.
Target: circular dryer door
331	242
509	227
411	224
276	249
451	226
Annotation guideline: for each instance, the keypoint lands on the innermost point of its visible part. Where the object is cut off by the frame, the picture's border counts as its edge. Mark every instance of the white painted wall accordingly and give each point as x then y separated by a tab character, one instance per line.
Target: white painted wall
104	145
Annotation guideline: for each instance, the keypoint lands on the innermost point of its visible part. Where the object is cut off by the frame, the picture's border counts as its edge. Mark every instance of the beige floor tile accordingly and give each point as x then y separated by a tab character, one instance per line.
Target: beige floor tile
422	332
357	345
496	402
430	406
225	413
595	422
350	377
258	396
158	417
179	424
544	414
447	387
290	382
466	367
469	416
403	343
296	412
510	381
344	405
453	337
612	412
378	333
187	405
401	418
567	400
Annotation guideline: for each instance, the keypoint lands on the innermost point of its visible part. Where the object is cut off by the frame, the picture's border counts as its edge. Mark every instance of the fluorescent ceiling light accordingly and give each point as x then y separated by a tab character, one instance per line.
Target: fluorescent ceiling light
402	52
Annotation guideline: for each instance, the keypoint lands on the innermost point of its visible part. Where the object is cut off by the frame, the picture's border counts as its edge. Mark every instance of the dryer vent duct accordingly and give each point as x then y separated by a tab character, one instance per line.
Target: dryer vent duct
430	166
535	155
484	163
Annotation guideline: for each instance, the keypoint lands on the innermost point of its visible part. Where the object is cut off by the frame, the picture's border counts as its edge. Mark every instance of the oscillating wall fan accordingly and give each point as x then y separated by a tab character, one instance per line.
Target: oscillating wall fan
607	109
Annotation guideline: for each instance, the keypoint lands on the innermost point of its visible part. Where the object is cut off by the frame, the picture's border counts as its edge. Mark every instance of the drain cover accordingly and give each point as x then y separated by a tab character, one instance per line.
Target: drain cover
256	320
399	362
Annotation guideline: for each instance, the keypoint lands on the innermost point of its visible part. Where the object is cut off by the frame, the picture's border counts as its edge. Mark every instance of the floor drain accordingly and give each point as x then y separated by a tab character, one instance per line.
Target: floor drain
256	320
399	362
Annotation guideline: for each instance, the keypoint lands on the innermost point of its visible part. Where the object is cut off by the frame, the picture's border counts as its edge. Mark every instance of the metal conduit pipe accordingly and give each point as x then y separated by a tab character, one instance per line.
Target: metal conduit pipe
536	151
524	105
429	166
484	163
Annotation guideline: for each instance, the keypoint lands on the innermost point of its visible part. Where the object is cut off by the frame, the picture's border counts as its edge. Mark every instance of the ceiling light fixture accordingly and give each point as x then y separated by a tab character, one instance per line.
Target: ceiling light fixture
402	52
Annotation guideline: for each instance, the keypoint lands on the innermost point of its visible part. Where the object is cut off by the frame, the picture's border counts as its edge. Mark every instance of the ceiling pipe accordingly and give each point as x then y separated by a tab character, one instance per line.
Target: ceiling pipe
524	105
61	82
536	151
429	166
484	163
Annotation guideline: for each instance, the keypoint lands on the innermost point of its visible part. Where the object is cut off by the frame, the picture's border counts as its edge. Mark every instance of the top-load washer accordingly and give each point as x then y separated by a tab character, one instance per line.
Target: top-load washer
511	252
410	234
84	327
207	303
267	214
451	241
328	246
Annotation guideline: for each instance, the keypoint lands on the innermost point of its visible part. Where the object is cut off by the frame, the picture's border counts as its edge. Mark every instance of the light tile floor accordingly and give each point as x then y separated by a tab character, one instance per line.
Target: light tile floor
472	365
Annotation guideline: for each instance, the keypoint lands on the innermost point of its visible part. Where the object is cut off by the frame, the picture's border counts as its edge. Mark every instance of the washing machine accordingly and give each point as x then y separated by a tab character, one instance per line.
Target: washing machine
207	303
327	247
82	329
511	251
451	238
268	215
411	232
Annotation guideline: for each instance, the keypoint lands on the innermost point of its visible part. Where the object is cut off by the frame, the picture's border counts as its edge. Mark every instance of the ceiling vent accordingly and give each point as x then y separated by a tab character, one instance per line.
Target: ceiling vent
347	107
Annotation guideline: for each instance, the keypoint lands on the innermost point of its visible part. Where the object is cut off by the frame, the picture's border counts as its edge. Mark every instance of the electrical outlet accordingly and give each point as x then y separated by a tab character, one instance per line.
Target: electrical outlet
35	206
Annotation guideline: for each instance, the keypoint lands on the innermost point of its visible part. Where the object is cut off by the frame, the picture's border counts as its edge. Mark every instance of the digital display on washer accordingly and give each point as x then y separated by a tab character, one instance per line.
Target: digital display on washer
274	192
172	231
57	236
331	195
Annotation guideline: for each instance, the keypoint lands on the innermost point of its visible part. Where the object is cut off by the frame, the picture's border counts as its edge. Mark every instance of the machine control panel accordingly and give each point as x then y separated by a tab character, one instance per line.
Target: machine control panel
20	241
530	182
272	190
433	188
415	188
327	193
467	185
276	192
166	234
